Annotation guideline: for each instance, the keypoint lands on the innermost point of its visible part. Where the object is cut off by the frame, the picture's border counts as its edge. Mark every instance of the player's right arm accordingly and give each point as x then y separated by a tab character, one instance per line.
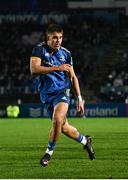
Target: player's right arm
37	68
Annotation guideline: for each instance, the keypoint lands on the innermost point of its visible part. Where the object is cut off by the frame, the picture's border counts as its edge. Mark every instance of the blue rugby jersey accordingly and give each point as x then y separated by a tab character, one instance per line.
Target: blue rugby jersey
54	81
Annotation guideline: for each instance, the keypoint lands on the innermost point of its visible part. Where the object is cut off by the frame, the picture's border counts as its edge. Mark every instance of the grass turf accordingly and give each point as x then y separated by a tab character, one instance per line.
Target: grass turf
23	142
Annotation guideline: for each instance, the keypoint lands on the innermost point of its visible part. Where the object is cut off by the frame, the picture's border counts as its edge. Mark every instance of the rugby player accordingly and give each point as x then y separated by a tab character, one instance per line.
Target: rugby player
53	66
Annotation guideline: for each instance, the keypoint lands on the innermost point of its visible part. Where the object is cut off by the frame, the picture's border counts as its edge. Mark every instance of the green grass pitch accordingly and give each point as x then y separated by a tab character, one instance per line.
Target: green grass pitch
23	142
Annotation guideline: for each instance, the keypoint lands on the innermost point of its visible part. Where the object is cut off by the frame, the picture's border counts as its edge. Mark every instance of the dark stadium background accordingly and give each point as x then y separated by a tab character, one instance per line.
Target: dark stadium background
96	32
97	36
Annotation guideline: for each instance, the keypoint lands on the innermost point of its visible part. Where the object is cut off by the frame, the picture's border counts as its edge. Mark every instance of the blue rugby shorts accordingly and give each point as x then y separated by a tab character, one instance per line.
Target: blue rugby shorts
54	98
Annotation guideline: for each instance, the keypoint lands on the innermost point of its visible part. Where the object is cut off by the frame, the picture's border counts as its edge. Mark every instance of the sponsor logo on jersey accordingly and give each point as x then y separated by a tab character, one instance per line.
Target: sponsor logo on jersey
48	63
47	54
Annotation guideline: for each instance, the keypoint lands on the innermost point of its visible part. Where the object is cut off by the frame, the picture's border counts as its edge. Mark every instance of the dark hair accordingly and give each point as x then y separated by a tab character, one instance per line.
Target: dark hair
54	28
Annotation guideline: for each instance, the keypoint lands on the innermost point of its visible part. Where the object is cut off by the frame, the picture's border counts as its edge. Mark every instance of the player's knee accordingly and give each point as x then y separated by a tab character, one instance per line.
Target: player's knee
57	120
74	130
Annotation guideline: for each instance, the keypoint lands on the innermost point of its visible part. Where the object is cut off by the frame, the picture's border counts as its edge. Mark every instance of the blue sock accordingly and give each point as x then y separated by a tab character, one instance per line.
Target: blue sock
51	145
79	138
82	139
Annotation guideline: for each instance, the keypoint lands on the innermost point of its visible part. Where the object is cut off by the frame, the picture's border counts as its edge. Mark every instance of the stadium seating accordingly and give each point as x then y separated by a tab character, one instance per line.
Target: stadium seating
88	39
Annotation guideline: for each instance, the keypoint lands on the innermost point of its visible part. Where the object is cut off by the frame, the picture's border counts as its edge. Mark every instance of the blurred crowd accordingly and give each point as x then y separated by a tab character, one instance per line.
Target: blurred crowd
115	88
85	38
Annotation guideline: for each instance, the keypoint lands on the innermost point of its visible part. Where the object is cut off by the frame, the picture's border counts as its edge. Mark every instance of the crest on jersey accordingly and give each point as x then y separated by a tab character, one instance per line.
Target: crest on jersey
62	58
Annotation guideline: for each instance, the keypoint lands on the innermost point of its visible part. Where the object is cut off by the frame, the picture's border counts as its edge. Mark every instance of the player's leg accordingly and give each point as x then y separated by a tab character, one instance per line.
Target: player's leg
60	111
73	133
58	118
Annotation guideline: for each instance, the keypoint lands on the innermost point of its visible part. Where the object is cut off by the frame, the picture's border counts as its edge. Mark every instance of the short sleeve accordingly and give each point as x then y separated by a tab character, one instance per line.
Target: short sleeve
37	52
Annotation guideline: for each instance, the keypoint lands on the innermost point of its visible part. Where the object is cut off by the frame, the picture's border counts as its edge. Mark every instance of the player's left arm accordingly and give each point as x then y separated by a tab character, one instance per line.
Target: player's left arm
76	87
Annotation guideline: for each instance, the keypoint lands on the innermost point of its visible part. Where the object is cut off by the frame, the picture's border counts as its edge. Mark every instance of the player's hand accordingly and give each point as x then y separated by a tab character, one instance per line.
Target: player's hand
64	67
80	107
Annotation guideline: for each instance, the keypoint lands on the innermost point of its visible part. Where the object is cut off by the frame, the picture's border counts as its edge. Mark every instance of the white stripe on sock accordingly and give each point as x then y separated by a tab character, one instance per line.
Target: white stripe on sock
49	152
84	140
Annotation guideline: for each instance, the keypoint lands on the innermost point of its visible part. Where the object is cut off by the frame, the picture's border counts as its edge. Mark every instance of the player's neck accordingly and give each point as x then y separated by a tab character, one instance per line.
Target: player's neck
51	50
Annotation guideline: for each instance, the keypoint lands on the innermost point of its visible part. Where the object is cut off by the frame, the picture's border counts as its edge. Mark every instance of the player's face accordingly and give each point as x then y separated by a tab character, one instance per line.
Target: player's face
54	40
